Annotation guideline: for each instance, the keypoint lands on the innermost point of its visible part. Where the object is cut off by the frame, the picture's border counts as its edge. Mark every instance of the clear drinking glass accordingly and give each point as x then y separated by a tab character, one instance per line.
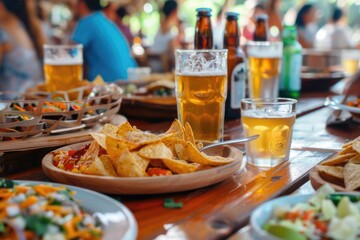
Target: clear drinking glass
201	88
63	66
264	65
350	60
273	120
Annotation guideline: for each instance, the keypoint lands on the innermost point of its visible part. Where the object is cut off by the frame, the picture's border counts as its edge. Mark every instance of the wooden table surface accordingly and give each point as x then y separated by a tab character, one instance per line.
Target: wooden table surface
220	210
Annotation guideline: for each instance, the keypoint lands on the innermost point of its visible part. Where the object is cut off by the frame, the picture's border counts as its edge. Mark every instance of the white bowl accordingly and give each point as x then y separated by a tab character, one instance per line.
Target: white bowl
262	214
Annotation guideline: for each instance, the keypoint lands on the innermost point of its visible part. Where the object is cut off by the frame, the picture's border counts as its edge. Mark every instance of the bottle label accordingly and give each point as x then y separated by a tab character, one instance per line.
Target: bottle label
291	71
237	90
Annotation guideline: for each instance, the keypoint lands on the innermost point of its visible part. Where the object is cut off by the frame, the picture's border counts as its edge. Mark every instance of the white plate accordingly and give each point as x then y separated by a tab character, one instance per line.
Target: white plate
335	103
118	221
147	185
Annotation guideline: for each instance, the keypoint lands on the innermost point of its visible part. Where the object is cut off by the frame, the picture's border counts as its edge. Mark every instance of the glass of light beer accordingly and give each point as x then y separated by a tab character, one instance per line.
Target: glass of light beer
350	60
272	120
63	66
264	65
201	88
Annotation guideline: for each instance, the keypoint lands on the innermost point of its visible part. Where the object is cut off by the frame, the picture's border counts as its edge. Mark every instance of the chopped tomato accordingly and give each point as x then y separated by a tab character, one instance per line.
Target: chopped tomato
69	166
71	152
321	226
292	215
307	215
158	172
56	163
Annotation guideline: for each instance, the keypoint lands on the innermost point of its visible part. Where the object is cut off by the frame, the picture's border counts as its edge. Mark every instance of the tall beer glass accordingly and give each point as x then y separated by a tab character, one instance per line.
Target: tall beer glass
273	120
63	68
264	63
201	88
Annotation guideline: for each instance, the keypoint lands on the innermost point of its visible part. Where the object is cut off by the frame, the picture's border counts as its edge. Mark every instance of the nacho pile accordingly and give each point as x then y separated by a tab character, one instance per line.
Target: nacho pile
126	151
343	168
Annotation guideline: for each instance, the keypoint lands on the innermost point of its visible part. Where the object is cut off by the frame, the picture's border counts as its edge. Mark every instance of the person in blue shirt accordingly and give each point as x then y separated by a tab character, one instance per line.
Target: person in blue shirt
106	51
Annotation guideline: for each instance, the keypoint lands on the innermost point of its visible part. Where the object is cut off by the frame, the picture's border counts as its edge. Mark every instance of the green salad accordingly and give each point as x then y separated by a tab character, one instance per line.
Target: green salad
326	215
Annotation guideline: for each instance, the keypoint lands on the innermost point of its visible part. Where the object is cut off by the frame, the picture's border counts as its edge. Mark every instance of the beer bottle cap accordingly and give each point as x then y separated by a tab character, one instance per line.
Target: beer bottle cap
261	16
230	15
204	11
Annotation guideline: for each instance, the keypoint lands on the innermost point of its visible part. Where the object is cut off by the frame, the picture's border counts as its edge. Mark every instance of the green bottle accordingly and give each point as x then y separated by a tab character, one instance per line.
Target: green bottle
290	81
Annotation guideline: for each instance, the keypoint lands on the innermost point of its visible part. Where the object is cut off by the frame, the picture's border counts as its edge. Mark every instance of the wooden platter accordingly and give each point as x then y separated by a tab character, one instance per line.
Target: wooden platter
317	181
61	139
147	185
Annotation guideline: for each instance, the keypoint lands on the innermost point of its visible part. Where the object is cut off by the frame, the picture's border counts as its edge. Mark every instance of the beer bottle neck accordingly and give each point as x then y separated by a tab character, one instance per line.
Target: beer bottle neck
232	34
203	33
260	33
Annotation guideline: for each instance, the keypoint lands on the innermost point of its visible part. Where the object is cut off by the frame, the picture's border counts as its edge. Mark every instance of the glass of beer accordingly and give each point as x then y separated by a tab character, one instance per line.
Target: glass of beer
63	67
272	120
264	63
201	88
350	60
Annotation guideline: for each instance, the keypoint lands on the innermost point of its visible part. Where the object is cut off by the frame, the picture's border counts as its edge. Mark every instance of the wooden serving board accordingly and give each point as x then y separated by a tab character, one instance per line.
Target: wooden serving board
317	181
55	140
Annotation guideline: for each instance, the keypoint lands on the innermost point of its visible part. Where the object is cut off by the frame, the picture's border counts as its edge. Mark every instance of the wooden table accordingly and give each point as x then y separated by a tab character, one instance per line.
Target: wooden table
220	210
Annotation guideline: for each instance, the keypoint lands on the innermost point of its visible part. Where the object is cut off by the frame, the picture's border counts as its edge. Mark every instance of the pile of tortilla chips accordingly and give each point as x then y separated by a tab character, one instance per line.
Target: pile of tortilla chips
130	152
343	168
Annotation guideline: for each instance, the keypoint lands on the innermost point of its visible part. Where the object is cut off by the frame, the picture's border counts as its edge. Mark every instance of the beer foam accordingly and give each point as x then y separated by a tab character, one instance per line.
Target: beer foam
62	62
263	52
201	74
266	114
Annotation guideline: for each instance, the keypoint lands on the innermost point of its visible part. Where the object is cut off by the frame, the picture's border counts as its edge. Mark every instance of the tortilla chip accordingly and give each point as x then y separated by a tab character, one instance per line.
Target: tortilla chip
108	129
338	160
180	166
356	146
143	138
116	146
91	153
350	142
124	128
351	176
142	162
355	159
331	173
100	138
189	135
156	151
203	159
176	129
101	166
180	149
126	166
348	149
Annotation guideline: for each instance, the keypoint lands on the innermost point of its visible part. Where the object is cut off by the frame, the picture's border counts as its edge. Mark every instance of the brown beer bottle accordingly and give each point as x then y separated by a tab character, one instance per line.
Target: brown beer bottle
236	67
261	33
203	29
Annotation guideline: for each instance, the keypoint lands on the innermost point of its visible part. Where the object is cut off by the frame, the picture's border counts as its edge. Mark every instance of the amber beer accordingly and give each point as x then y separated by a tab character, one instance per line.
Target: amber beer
261	33
201	101
63	67
264	66
273	121
236	67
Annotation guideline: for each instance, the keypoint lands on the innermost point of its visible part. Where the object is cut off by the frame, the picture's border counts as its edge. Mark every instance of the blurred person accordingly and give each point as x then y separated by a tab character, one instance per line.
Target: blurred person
249	29
21	45
336	34
166	39
274	21
106	52
306	25
121	12
45	24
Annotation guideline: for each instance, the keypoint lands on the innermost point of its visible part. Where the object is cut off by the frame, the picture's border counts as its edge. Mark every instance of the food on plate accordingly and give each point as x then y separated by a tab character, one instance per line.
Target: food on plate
354	103
156	88
126	151
43	212
343	168
326	215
